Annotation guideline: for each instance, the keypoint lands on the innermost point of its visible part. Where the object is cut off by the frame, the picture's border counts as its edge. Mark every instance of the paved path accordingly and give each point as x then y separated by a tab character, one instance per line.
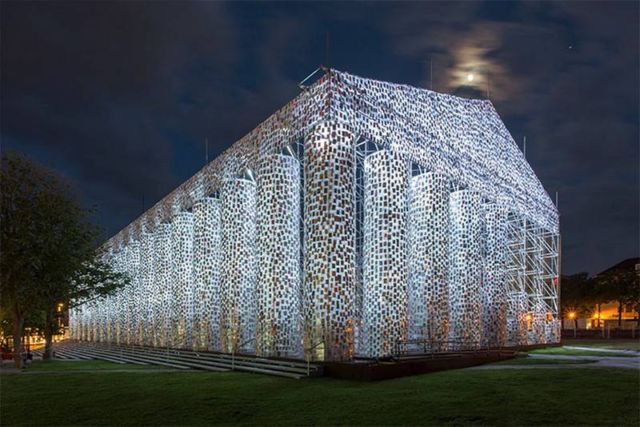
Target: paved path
603	350
598	361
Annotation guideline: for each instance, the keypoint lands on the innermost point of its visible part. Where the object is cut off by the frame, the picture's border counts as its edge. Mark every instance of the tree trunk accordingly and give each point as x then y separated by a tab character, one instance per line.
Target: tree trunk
18	326
48	336
619	315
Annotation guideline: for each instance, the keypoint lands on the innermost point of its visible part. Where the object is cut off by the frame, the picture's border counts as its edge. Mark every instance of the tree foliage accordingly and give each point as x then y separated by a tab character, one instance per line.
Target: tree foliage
582	295
623	287
48	243
577	294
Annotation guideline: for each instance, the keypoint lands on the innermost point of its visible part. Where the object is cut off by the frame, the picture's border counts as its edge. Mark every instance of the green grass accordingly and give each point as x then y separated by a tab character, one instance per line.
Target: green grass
66	365
574	352
612	344
534	361
457	397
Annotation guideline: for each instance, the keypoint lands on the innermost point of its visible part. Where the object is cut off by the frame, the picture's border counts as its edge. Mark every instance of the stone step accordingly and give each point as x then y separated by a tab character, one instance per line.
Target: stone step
222	364
193	359
228	362
228	356
137	359
102	356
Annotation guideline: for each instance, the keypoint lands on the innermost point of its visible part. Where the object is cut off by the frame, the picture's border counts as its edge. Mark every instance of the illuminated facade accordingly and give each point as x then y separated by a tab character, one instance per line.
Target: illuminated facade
362	219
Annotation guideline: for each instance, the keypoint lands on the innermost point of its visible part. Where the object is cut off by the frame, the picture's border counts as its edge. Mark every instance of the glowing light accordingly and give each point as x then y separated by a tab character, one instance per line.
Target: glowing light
470	77
572	315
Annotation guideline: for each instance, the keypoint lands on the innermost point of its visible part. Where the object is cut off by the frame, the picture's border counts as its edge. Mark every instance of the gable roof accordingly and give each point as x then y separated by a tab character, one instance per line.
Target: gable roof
462	138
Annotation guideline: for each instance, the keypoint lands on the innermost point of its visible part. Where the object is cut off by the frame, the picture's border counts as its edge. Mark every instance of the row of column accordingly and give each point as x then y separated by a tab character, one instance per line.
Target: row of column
459	258
227	276
433	272
216	277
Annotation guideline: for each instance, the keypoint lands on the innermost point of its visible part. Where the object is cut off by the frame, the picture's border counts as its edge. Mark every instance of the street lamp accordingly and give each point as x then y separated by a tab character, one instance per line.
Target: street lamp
572	316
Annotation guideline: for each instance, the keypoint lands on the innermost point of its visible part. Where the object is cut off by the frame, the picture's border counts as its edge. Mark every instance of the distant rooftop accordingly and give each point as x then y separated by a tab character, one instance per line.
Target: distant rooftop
627	264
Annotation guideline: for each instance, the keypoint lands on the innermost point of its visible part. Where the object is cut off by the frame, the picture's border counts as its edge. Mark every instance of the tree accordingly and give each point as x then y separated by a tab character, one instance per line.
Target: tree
576	296
92	279
623	287
25	186
48	247
598	295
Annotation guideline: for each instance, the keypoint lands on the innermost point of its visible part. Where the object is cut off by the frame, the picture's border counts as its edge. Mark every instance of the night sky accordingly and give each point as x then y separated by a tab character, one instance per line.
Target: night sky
120	96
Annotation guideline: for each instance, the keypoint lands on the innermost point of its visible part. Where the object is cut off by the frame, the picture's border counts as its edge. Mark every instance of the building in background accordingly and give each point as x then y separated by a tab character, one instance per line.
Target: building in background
364	218
608	317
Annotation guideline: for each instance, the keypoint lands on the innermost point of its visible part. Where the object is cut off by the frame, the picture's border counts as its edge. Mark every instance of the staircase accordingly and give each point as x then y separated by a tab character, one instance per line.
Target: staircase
185	359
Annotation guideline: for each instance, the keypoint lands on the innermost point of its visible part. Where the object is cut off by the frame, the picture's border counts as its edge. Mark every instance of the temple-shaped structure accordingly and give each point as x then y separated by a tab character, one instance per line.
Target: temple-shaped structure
364	219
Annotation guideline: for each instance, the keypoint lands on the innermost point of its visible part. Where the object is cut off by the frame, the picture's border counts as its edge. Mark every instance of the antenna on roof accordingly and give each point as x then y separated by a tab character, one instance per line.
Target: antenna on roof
206	151
556	199
524	146
142	202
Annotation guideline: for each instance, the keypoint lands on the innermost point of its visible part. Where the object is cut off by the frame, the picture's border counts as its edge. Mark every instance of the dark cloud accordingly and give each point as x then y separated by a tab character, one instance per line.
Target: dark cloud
119	96
97	83
566	76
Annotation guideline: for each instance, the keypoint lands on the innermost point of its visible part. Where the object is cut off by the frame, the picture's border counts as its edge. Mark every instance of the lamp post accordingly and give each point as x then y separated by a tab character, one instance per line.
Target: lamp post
572	316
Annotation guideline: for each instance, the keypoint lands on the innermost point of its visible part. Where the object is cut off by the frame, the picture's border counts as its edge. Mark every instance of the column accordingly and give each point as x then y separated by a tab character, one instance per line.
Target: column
91	330
465	269
73	323
329	259
135	300
239	270
100	311
207	262
429	237
279	328
164	295
86	324
385	252
182	283
117	311
147	268
494	289
109	305
132	263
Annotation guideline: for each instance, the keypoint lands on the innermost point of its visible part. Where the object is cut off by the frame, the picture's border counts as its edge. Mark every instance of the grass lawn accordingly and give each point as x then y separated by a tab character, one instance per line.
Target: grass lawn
532	361
66	365
574	352
457	397
612	344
